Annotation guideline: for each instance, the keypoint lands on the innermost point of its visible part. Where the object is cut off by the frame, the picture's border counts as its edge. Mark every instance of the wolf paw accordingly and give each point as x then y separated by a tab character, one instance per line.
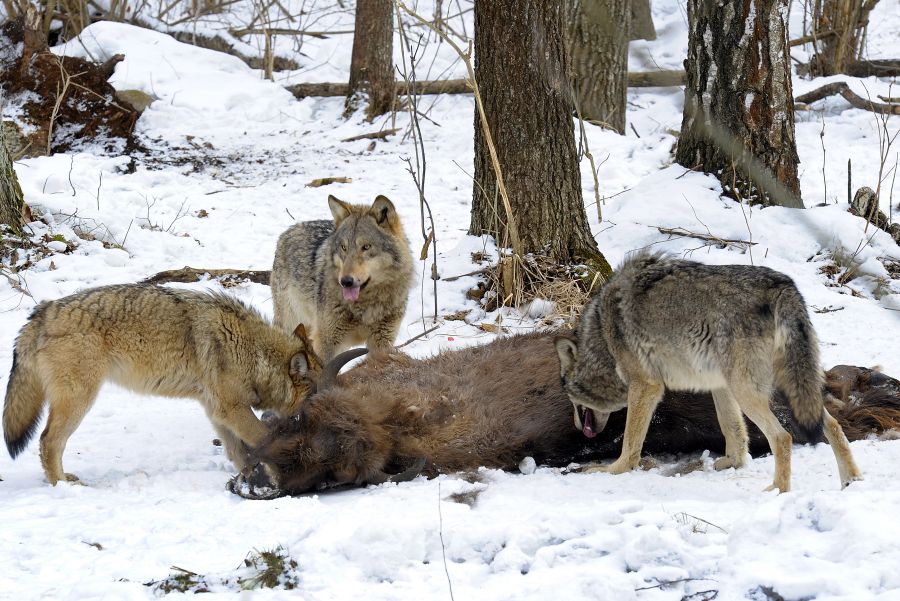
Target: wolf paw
723	463
594	469
781	489
616	467
851	480
70	478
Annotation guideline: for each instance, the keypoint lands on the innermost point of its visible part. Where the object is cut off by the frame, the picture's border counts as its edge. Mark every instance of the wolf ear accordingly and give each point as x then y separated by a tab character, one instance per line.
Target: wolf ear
340	210
567	349
311	360
385	214
299	369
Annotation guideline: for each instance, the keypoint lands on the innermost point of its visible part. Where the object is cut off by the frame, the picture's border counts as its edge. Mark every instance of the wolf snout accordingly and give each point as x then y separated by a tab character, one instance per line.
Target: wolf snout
350	287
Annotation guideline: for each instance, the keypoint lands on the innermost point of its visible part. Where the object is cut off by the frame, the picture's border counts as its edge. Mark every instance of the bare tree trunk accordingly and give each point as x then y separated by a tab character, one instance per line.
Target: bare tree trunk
598	47
11	203
641	21
372	63
738	108
521	69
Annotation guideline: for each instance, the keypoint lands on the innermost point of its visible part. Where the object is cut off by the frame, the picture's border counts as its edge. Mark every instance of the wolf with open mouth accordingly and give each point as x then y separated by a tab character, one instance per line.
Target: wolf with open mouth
347	280
735	331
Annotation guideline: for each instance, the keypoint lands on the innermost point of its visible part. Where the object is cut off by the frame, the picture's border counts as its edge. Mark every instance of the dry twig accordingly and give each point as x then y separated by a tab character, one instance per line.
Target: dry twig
683	233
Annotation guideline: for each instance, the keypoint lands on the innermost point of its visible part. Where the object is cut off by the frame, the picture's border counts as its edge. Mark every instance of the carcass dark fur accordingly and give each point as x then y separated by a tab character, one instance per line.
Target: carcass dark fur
495	404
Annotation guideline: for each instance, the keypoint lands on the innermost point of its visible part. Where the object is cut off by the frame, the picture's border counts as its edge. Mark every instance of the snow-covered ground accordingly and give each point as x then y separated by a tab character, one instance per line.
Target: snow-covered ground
155	493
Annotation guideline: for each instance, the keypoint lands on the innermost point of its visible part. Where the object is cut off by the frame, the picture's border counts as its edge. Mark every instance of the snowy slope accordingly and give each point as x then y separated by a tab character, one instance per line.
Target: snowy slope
242	150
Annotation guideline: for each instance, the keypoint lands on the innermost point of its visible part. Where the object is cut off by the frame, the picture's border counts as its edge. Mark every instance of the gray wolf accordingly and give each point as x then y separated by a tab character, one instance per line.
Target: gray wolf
489	405
347	279
155	340
735	331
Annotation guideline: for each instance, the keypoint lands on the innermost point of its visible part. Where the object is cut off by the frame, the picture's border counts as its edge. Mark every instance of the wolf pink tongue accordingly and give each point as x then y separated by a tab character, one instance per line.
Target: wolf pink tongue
351	294
587	423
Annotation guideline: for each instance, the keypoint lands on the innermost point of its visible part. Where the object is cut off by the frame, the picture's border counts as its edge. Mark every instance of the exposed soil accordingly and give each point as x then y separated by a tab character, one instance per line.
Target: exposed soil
67	100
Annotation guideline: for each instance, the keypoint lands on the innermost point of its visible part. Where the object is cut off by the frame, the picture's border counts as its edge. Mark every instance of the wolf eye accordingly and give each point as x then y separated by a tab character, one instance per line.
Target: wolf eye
343	247
366	247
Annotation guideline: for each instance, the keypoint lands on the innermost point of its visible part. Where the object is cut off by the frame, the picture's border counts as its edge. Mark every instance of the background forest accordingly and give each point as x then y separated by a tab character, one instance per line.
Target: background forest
528	146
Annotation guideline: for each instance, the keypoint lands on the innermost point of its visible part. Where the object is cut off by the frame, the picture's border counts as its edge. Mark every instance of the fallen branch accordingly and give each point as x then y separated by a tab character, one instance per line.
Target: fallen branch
889	67
187	275
656	79
813	37
476	272
443	86
841	88
640	79
327	181
822	35
375	135
16	284
220	43
679	231
322	35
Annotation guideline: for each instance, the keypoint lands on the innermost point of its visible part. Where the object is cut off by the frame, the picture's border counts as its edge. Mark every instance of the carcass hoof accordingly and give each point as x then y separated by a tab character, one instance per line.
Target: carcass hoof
257	485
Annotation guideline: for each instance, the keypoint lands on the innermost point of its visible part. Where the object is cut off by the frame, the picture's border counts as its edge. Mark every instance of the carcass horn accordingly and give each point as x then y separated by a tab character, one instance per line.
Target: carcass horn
331	369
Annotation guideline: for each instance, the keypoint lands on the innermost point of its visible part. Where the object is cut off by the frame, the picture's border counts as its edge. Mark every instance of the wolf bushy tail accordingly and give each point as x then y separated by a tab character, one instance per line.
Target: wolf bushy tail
24	394
798	372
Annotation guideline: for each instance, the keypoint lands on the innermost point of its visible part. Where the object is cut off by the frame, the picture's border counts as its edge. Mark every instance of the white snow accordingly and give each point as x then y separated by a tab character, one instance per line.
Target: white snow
155	494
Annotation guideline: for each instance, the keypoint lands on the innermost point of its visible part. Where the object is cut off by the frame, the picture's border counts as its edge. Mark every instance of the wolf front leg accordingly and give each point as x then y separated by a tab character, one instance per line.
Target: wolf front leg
384	334
643	397
238	427
329	339
235	449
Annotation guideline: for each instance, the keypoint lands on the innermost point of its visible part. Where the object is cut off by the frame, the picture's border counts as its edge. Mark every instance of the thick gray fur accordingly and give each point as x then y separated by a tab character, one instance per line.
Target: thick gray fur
366	243
734	330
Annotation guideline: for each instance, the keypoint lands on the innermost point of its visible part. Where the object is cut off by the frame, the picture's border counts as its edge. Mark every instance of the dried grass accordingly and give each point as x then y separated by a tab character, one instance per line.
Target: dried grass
517	281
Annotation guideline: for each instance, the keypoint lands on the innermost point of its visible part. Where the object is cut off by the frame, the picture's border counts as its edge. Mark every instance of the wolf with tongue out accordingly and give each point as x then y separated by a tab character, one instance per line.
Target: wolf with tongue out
347	280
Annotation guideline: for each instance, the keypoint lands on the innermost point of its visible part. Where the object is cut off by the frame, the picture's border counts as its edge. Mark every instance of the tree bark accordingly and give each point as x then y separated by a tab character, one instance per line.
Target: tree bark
11	202
641	21
372	61
738	109
598	48
521	68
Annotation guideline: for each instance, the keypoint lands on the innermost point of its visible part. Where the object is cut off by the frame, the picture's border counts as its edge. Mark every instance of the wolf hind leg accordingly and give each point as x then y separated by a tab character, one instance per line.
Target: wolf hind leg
755	405
68	406
847	468
643	397
731	421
